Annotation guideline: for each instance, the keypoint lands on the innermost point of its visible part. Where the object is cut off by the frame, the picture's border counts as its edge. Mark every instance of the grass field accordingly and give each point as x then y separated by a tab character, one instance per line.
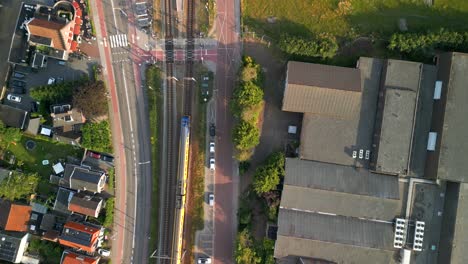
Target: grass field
45	150
349	19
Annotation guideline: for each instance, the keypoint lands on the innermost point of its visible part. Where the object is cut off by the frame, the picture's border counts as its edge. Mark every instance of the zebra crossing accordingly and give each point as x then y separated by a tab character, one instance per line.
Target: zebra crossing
119	40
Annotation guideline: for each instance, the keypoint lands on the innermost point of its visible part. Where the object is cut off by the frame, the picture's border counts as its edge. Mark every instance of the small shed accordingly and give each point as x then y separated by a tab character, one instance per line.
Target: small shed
46	131
58	168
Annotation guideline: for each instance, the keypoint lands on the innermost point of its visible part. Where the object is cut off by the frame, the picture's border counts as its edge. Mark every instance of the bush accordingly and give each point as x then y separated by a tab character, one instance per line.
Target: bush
267	177
19	185
245	96
109	219
245	252
245	136
324	47
97	136
243	167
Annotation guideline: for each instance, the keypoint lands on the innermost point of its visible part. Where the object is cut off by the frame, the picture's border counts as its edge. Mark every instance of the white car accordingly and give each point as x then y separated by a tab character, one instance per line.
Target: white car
204	260
212	147
211	199
212	164
104	252
51	81
14	98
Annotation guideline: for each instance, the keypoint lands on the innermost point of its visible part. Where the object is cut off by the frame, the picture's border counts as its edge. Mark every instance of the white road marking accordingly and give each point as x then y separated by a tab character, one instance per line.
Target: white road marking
105	42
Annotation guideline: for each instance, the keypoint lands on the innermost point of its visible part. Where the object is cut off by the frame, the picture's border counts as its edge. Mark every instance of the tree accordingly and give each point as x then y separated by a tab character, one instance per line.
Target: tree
322	46
96	136
267	177
18	185
245	135
245	252
247	95
91	99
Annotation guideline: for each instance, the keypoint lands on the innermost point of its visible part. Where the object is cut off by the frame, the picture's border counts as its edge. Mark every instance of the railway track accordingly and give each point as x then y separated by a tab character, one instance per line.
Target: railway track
189	53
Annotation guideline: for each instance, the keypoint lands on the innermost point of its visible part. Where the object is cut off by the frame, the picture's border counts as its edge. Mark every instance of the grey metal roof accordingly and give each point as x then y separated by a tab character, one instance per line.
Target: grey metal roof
333	140
76	236
315	200
336	229
401	88
454	138
79	178
338	253
332	177
9	245
460	232
62	200
324	76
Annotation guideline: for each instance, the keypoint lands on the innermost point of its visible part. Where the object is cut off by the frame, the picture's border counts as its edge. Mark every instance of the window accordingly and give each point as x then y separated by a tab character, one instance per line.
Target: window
437	90
431	141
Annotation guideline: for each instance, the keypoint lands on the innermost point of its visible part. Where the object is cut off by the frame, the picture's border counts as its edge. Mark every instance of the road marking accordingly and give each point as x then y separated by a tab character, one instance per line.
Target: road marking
119	40
105	42
146	162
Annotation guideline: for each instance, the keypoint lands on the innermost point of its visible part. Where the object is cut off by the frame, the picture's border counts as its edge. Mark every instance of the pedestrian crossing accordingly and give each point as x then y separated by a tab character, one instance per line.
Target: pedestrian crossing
119	40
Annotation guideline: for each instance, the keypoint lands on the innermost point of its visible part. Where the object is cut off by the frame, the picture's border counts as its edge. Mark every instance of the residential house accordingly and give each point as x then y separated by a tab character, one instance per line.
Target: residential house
67	123
13	245
86	204
14	217
62	200
80	236
83	179
54	31
69	257
14	117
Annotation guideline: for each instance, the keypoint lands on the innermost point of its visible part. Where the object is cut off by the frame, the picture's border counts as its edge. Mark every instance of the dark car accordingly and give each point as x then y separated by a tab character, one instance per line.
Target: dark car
18	83
212	130
34	107
17	90
107	158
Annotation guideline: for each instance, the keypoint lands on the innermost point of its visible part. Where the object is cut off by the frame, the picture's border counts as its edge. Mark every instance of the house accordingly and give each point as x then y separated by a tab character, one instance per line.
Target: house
13	245
67	123
14	217
80	236
54	31
83	179
380	176
86	204
33	126
14	117
69	257
62	200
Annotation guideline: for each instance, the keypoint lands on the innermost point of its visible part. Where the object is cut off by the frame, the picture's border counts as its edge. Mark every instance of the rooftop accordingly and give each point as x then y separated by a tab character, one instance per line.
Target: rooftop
69	257
13	117
80	178
79	236
10	243
14	217
62	200
333	140
48	29
85	203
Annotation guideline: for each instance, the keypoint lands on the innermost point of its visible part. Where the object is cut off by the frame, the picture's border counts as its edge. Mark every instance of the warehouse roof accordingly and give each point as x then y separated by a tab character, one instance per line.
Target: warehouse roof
329	139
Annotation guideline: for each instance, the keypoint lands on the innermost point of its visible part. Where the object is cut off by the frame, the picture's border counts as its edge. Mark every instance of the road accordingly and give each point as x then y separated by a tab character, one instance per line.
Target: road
226	176
123	75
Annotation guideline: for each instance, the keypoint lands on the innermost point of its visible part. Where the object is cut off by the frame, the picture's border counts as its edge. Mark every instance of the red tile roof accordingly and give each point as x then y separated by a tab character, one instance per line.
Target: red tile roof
18	218
69	257
79	236
77	29
48	29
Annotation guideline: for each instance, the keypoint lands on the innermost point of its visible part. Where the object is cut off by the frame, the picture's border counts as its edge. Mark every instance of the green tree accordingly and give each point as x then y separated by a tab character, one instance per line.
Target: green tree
247	95
245	135
97	136
322	46
245	252
91	99
18	185
267	177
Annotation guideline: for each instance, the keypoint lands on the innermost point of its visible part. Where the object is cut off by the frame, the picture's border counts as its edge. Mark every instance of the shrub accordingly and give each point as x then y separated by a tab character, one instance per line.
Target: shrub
325	46
245	135
97	136
267	177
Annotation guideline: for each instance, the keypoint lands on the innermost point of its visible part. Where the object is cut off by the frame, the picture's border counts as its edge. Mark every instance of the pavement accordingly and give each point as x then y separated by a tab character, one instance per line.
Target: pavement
122	57
226	176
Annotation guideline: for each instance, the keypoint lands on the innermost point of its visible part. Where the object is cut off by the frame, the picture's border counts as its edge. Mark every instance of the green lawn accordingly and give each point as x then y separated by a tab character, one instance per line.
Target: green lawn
44	150
351	18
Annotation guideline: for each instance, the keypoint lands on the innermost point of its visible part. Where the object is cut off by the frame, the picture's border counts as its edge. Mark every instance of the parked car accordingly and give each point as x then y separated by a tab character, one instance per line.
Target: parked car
212	130
204	260
51	81
104	252
94	155
60	62
211	199
212	164
15	98
19	75
18	83
212	147
107	158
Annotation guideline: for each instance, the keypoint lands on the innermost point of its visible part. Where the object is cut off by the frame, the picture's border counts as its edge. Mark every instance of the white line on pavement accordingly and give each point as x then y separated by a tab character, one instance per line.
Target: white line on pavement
112	41
125	40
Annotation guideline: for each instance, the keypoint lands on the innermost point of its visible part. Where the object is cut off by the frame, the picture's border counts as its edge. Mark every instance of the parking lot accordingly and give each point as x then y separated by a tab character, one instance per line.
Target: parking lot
73	69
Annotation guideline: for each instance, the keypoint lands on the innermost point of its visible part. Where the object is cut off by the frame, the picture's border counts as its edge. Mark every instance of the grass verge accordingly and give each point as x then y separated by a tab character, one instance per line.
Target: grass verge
198	178
153	82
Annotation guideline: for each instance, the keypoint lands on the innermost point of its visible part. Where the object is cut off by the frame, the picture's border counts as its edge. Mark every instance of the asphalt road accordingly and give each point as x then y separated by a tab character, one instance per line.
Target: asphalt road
226	176
8	16
130	129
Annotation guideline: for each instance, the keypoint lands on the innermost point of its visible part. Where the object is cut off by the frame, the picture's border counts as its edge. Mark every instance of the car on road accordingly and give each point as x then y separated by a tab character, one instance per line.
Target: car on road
15	98
212	164
204	261
94	155
107	158
18	83
212	130
212	147
104	252
211	199
51	81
